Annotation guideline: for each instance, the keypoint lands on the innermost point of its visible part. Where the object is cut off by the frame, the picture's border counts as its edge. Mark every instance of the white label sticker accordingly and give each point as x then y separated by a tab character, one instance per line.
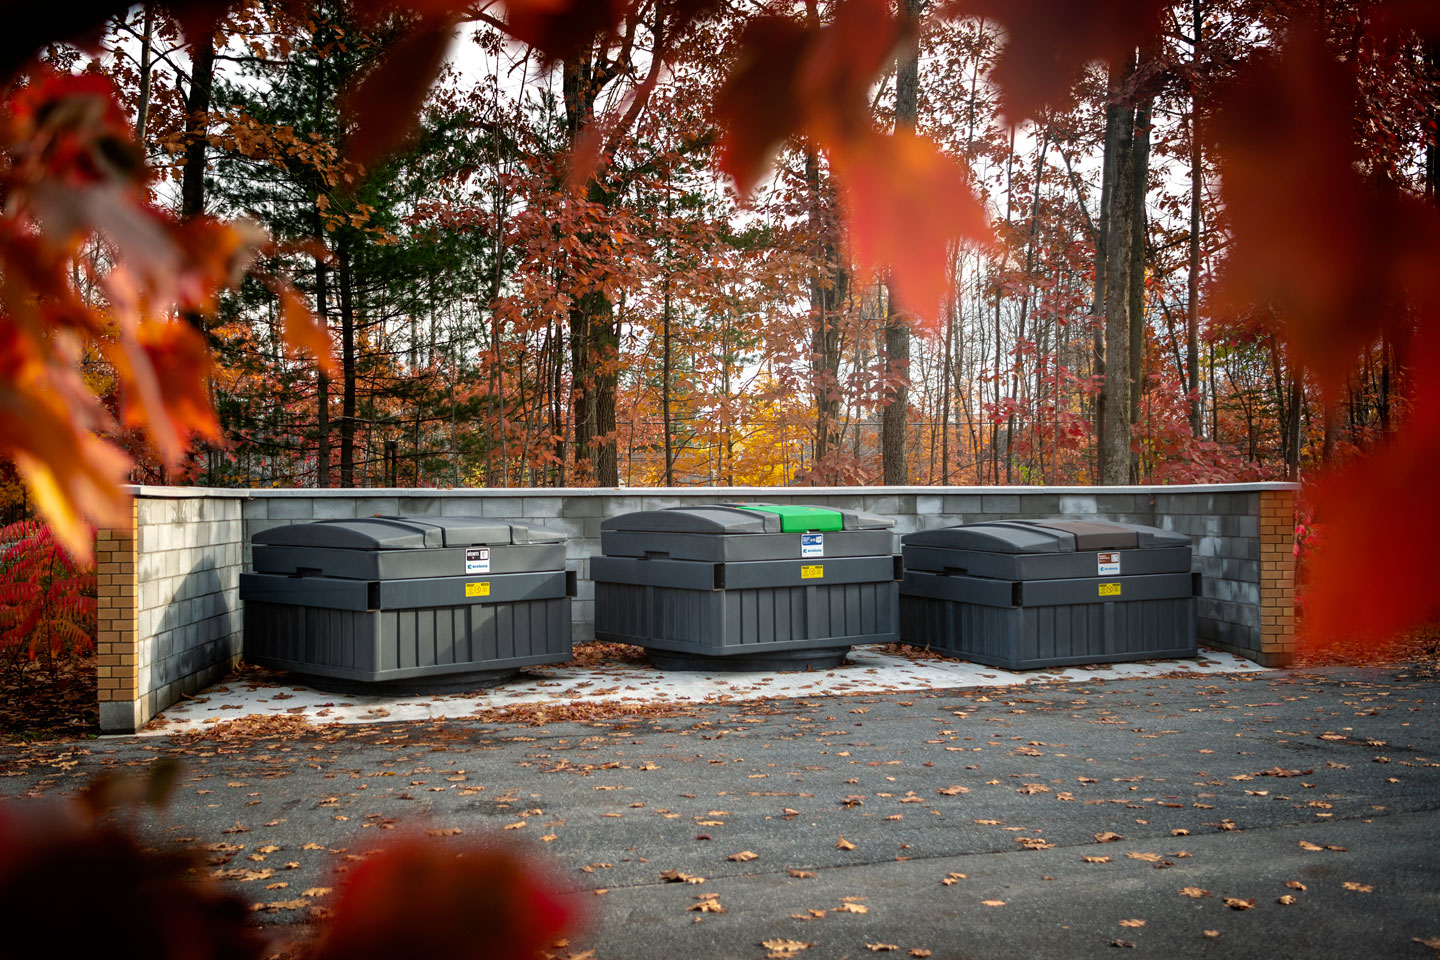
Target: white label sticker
1109	564
812	544
477	560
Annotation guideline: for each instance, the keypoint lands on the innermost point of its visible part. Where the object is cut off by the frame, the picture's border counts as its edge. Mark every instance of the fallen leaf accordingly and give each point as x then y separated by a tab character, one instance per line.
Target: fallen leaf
708	903
1147	857
316	892
852	908
1122	943
743	856
952	791
1179	832
1096	859
1358	887
1132	923
515	826
843	844
1210	934
1236	903
919	952
993	903
779	949
675	876
803	874
1033	788
1296	885
1109	836
1195	892
1287	900
882	947
449	832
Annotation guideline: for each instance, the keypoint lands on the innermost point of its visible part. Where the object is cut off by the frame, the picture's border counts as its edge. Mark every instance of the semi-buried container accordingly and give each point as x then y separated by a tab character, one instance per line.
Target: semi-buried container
1044	593
746	586
407	600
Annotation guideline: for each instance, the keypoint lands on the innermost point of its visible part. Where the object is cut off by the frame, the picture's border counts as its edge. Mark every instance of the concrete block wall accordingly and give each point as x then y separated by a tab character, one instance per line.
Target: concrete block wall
201	550
185	609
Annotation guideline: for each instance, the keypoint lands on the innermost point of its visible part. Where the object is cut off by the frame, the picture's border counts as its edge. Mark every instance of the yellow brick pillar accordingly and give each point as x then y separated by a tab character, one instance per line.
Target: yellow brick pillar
1277	577
117	650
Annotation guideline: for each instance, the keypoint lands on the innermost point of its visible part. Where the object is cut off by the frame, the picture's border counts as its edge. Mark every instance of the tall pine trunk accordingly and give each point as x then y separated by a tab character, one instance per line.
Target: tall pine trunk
347	366
1115	399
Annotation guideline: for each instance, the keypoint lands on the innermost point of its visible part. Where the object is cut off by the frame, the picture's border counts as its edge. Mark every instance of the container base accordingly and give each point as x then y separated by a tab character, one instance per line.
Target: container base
824	659
445	683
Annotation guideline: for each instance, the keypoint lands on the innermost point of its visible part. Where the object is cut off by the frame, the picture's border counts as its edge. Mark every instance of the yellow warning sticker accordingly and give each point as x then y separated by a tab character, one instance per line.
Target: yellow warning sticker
812	571
480	589
1109	589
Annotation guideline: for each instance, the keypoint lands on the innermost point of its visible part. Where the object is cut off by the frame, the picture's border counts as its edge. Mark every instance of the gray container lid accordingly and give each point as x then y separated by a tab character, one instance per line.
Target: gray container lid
736	518
1046	536
404	533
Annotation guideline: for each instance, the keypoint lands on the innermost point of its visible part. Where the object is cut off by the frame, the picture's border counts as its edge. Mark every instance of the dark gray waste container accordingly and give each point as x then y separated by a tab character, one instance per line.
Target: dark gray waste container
1044	593
746	586
413	600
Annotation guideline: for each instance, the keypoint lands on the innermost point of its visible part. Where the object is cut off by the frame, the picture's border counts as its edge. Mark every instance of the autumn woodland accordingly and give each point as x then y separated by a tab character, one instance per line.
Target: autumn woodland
682	243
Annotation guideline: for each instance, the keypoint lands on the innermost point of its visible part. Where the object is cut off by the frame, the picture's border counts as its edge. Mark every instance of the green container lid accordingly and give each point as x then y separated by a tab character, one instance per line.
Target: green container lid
799	519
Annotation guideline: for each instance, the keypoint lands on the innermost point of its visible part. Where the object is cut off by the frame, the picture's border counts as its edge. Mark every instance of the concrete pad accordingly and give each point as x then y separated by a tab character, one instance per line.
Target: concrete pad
869	671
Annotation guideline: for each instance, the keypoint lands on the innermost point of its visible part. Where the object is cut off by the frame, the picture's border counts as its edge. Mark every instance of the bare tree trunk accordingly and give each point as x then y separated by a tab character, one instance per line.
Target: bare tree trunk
1140	174
1192	309
1102	262
142	107
322	383
347	366
1115	401
828	289
894	466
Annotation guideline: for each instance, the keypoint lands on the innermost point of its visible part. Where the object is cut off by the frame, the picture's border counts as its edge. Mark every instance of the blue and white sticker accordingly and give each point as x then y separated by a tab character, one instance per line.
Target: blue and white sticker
812	544
1108	564
477	560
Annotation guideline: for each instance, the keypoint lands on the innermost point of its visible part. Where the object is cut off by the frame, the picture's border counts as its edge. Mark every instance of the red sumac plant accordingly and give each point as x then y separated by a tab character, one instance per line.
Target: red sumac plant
47	599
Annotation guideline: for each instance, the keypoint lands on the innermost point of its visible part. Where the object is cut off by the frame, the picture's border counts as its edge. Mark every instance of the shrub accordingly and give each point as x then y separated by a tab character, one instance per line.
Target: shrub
47	600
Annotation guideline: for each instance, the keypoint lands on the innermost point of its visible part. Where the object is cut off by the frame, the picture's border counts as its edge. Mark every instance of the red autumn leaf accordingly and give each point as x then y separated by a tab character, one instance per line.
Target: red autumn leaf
791	78
558	28
463	901
908	202
1333	255
1374	572
306	332
1049	42
385	104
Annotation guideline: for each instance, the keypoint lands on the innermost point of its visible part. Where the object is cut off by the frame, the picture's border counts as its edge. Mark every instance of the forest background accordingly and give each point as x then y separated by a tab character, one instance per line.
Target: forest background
494	327
667	242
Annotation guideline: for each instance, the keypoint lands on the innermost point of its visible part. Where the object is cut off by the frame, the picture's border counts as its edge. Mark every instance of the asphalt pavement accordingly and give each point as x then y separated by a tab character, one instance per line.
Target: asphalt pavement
1162	817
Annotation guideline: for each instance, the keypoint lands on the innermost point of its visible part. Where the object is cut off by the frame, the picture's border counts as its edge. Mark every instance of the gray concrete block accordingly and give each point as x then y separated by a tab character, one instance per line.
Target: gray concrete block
121	716
461	507
1039	504
1112	503
578	506
1000	505
420	506
376	506
958	504
298	508
542	507
929	504
334	508
502	508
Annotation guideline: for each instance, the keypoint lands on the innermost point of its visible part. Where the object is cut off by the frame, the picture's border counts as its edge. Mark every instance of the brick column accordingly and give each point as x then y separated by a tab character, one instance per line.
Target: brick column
1277	577
116	636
